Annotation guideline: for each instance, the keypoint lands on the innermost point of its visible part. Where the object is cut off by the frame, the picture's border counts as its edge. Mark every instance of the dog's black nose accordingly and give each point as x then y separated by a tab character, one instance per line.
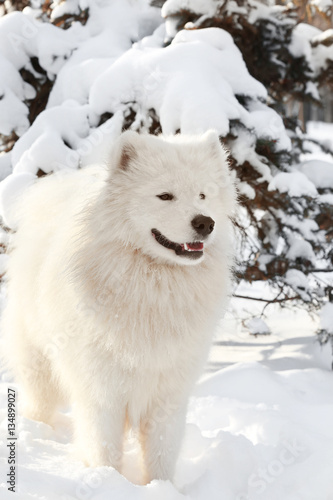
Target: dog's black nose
203	225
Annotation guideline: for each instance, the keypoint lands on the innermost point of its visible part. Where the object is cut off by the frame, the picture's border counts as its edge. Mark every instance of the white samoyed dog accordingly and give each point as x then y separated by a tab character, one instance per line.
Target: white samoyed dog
117	278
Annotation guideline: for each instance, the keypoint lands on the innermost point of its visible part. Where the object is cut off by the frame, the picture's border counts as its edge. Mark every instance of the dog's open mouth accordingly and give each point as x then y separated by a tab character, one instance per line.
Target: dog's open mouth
193	250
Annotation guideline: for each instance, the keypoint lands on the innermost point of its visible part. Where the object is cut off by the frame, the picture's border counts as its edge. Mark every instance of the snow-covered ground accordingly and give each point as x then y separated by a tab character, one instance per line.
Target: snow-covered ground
258	427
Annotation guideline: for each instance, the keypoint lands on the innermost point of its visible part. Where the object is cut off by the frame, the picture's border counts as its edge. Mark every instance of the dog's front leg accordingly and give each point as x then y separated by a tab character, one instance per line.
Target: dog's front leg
161	435
99	433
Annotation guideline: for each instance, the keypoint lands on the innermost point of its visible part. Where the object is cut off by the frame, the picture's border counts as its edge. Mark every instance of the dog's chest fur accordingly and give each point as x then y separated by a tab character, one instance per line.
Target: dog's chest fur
153	310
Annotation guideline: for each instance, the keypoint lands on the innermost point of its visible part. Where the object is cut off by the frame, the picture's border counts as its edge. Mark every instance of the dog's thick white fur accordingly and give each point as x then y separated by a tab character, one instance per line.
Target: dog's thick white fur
100	312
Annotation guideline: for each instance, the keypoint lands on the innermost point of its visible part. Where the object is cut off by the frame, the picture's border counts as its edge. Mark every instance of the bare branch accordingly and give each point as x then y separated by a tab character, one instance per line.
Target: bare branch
272	301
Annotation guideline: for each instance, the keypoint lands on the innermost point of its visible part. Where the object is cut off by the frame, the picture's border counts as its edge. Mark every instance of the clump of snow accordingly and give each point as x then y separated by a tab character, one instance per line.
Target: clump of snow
323	5
52	139
246	190
10	191
257	326
243	149
298	281
268	124
300	249
325	38
320	173
304	43
74	81
312	89
13	90
96	147
307	227
263	260
326	199
23	37
302	35
206	7
321	132
293	183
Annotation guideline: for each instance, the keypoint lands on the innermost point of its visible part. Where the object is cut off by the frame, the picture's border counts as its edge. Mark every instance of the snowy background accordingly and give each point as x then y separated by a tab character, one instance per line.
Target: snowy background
259	422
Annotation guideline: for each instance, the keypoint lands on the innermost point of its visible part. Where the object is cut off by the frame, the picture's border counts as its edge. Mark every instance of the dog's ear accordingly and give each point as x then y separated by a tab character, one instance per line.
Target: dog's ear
126	149
211	138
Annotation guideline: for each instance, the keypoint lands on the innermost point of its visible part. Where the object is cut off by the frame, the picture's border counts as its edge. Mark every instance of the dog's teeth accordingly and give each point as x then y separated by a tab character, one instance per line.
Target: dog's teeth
185	246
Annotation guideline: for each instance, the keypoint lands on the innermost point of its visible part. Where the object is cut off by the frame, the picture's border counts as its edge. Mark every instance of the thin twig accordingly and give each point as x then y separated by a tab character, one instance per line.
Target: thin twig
272	301
307	271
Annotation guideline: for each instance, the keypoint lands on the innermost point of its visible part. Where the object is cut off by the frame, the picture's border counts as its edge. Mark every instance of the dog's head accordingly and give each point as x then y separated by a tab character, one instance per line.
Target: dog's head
170	196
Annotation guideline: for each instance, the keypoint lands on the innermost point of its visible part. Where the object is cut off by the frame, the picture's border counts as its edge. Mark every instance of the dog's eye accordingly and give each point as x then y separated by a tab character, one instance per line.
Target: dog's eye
165	196
202	196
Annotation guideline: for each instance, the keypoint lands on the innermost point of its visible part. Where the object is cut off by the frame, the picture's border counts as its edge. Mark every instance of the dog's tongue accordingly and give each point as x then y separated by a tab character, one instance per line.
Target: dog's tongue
196	246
